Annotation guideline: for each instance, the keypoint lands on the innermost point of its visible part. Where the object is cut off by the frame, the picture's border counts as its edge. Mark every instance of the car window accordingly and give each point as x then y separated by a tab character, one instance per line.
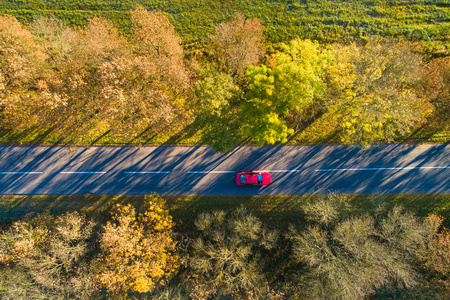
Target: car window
260	178
242	179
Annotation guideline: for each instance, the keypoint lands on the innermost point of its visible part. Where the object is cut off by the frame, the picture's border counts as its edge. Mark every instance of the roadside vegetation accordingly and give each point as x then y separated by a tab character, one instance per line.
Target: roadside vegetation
217	247
95	85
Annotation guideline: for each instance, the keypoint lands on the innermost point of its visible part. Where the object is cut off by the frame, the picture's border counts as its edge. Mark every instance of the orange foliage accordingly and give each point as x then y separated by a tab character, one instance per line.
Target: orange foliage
21	61
437	257
436	253
237	44
138	249
91	79
156	42
435	85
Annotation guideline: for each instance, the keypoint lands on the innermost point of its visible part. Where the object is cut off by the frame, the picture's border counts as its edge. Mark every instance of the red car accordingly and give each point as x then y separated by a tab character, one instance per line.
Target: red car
253	178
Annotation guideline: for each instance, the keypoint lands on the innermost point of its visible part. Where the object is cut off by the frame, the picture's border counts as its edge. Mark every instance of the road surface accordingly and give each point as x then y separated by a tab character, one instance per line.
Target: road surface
200	170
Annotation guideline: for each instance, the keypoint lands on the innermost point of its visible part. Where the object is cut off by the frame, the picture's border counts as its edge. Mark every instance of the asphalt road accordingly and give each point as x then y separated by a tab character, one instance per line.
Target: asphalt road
199	170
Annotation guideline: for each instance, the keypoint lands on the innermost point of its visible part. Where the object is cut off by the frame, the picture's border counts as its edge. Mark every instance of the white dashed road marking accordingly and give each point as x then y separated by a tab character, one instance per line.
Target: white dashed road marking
207	172
279	171
148	172
82	172
377	169
19	173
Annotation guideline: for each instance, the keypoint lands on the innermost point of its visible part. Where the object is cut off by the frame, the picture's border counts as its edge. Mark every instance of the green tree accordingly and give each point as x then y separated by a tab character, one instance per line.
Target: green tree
226	257
216	111
372	91
48	258
294	79
355	257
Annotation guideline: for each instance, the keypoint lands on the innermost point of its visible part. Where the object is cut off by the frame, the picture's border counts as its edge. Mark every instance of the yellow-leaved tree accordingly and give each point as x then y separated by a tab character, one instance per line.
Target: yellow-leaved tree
293	81
138	250
372	91
20	65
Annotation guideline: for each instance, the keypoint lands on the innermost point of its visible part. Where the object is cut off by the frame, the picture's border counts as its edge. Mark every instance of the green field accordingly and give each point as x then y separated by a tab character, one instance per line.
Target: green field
325	20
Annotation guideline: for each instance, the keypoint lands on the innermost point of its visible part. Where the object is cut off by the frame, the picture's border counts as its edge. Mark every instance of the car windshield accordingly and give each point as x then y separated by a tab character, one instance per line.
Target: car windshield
260	178
242	179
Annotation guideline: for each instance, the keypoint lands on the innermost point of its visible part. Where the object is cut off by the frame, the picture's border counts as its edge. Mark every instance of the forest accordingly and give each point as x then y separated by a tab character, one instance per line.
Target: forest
330	248
96	85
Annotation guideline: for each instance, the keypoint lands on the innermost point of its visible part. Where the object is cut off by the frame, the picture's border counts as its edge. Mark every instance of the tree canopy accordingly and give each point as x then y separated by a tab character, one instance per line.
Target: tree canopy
293	80
325	246
372	91
48	258
237	44
137	248
358	256
82	85
226	256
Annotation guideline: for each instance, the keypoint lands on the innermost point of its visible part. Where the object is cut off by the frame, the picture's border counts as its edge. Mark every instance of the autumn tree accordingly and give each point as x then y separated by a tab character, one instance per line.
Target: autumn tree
157	93
54	36
226	258
71	94
21	64
435	86
48	258
435	254
140	84
357	256
138	250
96	80
372	91
293	80
237	44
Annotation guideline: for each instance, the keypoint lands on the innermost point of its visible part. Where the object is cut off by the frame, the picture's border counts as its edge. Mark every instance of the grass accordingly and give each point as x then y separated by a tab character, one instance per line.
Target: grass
275	210
178	135
320	131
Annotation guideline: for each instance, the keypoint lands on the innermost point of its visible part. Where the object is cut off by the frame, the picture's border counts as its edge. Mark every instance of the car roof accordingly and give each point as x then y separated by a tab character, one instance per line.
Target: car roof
251	178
